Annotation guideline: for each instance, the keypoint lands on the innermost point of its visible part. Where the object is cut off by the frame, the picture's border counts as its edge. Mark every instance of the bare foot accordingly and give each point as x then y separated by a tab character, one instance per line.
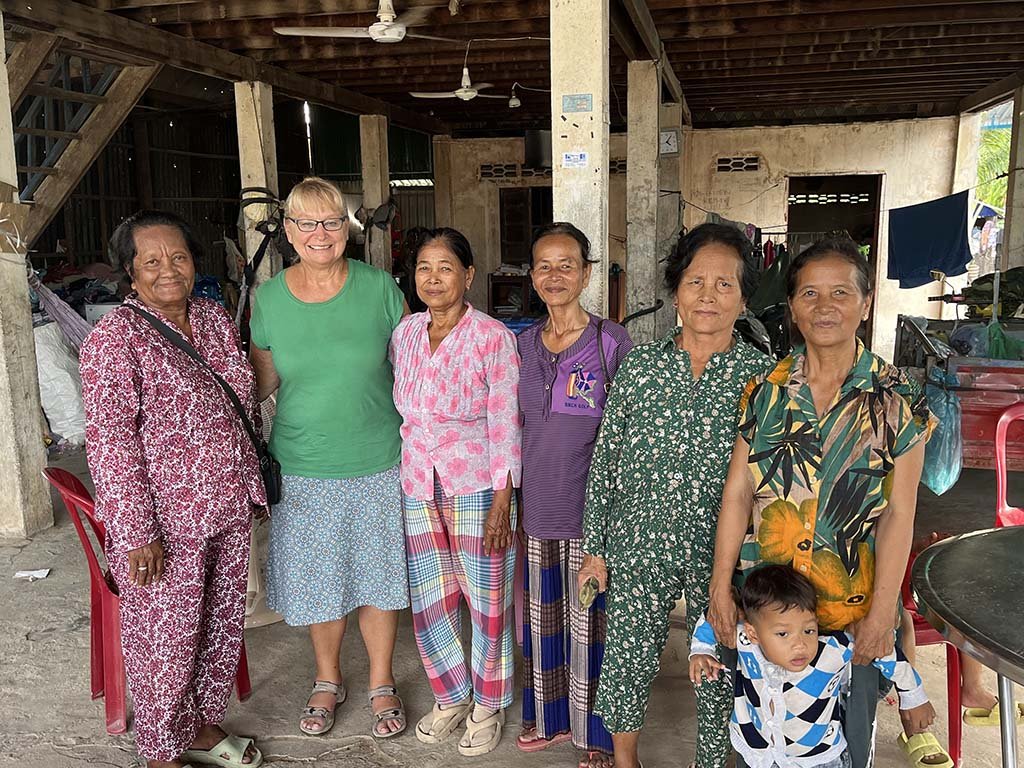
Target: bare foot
210	736
164	764
978	697
597	759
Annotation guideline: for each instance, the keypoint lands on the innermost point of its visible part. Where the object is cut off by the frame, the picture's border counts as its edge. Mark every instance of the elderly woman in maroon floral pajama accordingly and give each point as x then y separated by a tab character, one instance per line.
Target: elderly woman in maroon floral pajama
177	483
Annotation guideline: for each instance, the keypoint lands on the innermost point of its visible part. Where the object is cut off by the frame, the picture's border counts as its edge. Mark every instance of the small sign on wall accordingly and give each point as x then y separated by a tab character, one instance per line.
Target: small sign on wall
575	159
578	102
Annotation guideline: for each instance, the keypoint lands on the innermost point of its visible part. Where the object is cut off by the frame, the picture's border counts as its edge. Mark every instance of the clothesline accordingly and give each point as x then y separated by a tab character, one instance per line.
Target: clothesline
664	192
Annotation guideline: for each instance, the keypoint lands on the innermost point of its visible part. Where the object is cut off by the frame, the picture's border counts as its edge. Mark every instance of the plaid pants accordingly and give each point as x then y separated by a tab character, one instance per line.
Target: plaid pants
562	646
444	543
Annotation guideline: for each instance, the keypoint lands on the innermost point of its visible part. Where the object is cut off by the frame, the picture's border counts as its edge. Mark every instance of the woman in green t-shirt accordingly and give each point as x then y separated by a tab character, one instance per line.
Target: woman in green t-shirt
320	333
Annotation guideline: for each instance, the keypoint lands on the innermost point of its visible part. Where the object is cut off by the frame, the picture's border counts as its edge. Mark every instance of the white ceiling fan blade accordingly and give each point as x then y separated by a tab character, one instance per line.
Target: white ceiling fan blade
490	96
432	37
424	95
414	17
481	86
356	32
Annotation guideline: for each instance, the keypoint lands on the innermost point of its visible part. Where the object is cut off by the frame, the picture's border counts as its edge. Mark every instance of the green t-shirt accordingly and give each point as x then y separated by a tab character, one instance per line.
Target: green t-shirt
335	414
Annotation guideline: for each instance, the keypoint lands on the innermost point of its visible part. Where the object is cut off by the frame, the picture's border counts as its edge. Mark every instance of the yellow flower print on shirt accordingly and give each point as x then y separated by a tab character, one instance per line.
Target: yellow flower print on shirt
842	598
783	530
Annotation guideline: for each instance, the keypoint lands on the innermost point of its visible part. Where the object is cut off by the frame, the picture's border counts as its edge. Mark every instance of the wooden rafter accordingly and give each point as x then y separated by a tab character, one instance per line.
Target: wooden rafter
26	60
992	94
97	27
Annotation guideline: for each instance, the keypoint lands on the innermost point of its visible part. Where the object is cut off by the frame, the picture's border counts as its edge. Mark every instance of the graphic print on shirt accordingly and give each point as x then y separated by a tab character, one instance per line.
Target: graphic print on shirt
578	391
581	385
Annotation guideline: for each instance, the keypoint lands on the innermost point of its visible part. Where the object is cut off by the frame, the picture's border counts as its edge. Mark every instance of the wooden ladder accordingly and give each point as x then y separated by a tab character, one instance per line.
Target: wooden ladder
67	104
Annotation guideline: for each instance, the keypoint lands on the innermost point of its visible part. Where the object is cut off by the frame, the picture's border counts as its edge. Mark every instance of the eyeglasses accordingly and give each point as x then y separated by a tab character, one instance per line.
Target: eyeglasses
309	225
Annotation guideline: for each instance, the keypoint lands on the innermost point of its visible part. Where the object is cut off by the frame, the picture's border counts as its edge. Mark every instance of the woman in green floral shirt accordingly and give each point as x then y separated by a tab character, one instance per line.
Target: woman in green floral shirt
824	474
656	481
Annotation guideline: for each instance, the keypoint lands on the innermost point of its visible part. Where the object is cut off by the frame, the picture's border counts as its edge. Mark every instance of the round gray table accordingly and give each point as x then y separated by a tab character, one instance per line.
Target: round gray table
971	588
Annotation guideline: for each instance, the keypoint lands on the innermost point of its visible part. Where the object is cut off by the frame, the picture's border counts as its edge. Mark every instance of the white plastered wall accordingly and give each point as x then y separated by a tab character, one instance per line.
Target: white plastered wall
916	158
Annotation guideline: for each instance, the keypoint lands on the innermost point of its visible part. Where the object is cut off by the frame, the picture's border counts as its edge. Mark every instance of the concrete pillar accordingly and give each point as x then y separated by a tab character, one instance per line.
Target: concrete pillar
1013	236
257	159
670	221
579	130
443	181
25	505
373	143
642	114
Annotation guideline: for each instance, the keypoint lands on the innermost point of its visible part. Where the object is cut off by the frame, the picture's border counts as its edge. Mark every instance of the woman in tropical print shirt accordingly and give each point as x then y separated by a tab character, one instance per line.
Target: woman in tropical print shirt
825	471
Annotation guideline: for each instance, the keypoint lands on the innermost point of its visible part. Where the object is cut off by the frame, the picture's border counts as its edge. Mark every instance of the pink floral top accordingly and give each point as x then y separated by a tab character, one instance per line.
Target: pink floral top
166	450
459	406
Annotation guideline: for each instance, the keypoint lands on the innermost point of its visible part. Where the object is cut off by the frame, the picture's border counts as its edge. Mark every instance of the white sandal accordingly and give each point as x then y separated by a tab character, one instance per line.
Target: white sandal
441	723
494	723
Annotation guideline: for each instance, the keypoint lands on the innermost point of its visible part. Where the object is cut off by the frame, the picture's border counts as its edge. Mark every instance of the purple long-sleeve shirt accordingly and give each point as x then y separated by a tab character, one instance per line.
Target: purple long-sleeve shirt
561	397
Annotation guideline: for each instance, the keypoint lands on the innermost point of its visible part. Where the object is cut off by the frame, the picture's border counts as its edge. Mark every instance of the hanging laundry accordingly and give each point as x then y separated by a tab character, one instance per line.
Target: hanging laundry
928	236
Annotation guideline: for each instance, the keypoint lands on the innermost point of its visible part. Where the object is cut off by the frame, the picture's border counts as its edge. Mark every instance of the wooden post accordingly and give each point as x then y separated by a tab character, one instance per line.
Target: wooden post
373	143
257	158
642	112
143	164
579	130
24	498
443	181
1013	236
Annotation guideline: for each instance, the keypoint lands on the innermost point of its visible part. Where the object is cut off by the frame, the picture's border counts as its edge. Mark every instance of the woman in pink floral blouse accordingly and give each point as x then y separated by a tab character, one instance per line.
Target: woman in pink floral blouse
456	387
177	482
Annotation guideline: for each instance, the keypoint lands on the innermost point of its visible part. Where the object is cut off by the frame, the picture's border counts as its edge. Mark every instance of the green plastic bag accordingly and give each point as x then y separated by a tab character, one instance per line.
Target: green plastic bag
1001	346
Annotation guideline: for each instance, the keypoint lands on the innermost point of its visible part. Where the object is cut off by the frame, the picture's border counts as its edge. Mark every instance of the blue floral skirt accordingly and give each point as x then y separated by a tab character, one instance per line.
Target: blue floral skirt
336	545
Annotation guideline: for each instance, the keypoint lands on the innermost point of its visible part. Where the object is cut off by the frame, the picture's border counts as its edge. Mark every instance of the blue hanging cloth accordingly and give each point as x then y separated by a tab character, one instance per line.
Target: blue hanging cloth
928	236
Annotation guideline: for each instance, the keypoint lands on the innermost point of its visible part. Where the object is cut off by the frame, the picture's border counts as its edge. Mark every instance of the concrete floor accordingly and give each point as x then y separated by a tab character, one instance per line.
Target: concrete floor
47	719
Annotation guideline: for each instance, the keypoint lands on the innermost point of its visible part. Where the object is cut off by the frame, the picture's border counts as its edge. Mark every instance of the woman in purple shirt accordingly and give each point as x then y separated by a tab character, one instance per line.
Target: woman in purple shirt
564	380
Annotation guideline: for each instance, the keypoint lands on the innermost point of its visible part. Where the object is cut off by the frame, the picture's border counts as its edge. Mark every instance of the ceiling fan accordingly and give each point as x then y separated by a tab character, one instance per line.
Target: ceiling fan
389	28
467	91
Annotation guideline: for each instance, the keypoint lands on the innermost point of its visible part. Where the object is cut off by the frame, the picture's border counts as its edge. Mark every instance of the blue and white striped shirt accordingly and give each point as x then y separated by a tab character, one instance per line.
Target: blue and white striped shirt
794	719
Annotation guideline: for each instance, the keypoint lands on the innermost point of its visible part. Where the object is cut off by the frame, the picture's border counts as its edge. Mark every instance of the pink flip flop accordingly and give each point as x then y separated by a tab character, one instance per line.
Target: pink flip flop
538	744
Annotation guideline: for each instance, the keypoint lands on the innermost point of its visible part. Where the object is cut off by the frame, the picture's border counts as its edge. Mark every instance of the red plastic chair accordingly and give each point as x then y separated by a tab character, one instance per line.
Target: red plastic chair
926	634
1005	514
107	662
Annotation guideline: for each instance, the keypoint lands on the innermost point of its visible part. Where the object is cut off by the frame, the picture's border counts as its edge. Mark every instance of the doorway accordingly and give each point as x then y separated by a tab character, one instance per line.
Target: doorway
522	210
824	206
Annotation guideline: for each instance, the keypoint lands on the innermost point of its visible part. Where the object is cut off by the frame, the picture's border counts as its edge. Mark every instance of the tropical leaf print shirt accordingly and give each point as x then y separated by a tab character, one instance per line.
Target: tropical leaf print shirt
662	454
821	485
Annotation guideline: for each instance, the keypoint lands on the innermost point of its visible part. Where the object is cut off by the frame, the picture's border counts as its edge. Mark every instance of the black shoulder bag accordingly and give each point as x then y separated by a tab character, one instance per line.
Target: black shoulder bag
600	352
270	469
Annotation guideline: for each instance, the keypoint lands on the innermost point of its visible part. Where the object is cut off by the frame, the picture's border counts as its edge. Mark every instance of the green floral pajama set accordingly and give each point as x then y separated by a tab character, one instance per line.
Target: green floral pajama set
653	497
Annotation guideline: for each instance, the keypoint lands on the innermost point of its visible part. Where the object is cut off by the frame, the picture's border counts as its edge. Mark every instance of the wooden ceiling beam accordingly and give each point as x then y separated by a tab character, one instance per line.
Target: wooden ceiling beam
441	25
993	94
855	52
895	10
900	37
974	13
537	57
642	24
850	63
107	30
166	13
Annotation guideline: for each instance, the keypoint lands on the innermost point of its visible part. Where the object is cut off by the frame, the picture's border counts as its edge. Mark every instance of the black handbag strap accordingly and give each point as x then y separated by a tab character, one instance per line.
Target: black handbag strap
600	352
249	277
181	343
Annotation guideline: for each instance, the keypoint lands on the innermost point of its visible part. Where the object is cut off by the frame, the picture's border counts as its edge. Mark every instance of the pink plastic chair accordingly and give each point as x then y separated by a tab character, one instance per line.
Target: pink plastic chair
926	634
1005	514
106	660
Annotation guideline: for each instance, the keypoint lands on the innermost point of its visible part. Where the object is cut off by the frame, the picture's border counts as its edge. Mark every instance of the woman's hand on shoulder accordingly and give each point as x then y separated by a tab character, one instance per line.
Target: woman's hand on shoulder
146	564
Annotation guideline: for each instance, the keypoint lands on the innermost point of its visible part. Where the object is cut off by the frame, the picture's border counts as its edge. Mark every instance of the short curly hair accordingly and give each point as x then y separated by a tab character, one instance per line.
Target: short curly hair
706	234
